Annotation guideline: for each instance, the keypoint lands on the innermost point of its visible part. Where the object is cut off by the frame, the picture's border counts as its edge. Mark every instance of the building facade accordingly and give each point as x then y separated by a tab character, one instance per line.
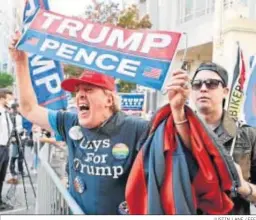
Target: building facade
10	20
211	27
5	26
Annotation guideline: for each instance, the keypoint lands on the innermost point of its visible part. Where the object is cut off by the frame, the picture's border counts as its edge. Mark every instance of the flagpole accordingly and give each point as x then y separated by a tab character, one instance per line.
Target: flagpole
227	103
239	64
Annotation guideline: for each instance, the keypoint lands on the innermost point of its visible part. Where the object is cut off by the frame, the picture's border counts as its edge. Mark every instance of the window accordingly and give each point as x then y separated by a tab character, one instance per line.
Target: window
188	10
179	12
228	3
231	3
185	10
200	7
210	6
244	2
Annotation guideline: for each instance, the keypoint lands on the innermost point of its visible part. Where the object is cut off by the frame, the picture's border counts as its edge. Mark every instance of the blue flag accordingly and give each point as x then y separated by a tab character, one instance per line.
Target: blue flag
46	75
250	100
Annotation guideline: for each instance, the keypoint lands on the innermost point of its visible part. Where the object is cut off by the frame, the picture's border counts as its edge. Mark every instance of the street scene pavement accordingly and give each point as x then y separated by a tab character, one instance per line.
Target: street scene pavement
126	57
15	195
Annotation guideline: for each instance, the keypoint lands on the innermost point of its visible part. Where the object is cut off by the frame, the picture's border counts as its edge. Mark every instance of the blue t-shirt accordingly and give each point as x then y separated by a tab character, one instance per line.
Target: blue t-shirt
99	159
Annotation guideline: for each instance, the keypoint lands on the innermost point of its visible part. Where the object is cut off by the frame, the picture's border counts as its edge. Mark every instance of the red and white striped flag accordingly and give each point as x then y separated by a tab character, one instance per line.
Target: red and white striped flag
237	86
151	72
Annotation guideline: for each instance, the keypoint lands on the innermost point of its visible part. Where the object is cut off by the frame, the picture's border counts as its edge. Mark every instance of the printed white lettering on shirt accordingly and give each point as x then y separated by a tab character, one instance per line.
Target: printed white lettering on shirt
96	159
114	171
95	144
94	163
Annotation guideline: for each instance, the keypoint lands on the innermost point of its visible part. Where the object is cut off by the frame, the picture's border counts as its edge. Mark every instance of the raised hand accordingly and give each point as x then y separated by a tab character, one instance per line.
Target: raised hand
178	89
17	55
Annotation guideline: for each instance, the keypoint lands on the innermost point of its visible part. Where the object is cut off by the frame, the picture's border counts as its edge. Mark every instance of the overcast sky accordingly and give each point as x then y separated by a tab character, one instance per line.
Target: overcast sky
76	7
69	7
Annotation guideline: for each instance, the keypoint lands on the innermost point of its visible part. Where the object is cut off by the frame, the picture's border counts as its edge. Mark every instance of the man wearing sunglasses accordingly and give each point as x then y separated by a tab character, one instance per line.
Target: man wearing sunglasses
209	91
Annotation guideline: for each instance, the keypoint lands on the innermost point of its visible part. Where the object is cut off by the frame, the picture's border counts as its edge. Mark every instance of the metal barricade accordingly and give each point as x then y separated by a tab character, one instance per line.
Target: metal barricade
52	196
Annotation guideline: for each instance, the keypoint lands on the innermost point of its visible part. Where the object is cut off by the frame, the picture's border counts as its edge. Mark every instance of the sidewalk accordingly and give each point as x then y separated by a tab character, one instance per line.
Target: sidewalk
16	194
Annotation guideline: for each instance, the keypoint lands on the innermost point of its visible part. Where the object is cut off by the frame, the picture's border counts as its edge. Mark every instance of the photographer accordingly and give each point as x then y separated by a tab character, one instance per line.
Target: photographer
5	132
16	117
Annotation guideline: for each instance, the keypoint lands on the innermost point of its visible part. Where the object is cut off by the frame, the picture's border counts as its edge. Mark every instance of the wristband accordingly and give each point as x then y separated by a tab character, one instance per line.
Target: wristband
180	122
250	193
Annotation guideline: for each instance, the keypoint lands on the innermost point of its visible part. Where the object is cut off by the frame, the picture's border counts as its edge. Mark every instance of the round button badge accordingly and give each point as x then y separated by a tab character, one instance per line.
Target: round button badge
120	151
75	133
79	185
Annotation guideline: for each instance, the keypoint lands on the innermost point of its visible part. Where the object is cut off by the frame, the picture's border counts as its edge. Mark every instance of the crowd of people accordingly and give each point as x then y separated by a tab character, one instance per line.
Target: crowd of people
103	142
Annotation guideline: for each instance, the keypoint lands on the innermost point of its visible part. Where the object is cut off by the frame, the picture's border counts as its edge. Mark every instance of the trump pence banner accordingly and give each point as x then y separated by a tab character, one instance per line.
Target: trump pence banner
132	101
140	56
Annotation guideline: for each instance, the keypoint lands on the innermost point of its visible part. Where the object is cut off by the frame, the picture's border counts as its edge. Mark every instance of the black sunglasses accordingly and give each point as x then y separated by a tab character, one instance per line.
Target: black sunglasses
209	83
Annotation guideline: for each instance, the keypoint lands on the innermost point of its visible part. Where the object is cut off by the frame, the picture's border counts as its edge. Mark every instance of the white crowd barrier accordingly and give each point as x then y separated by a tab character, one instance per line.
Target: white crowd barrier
52	196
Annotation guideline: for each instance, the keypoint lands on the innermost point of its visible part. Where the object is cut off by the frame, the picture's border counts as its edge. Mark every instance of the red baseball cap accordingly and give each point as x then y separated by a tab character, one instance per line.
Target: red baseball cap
90	77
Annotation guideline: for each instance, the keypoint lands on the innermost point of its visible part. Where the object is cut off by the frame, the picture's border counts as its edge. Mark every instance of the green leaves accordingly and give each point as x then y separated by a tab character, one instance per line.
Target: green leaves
6	80
72	71
130	19
109	13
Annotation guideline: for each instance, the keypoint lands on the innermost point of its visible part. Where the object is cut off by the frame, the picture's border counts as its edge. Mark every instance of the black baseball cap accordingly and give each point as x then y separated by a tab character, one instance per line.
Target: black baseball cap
221	71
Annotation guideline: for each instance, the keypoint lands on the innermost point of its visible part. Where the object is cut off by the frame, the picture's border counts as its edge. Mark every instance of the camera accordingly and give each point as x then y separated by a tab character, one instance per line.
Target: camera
22	138
46	133
14	107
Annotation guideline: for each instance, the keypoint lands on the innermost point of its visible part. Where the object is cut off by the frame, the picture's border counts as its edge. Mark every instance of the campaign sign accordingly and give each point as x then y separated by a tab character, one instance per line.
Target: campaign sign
46	74
140	56
132	101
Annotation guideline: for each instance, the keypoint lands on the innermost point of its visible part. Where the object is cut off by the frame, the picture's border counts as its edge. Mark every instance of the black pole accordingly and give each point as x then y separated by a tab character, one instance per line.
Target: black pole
15	135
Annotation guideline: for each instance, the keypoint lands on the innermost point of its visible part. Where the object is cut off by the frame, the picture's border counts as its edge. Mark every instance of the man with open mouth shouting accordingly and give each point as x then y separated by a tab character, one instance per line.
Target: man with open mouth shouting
103	143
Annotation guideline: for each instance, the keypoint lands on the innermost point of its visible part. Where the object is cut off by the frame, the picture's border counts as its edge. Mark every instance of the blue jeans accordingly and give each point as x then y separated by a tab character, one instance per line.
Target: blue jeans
16	155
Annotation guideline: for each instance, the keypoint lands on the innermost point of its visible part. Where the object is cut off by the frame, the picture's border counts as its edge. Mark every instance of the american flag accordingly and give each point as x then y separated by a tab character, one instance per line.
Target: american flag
151	72
32	41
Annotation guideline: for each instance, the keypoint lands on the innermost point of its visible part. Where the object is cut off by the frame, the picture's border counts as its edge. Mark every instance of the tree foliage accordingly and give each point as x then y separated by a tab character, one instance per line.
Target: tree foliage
109	13
6	80
72	71
101	12
129	18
